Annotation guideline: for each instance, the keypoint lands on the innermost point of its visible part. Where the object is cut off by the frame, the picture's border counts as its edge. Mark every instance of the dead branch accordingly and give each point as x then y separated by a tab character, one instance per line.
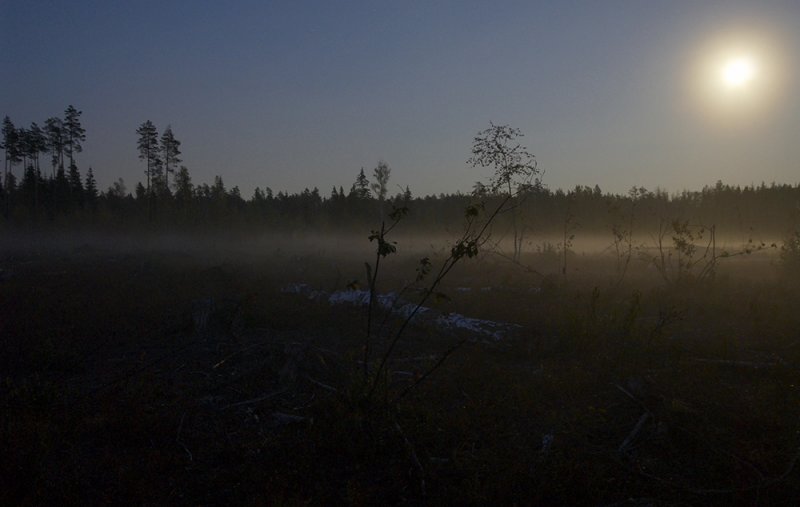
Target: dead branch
414	459
283	419
320	384
634	434
178	438
430	371
631	396
222	361
257	400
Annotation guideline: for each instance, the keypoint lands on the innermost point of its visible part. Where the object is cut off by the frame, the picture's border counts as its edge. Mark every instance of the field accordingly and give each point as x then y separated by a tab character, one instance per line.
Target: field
189	372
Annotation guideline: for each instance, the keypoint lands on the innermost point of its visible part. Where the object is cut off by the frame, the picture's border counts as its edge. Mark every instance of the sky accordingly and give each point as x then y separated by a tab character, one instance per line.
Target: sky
294	94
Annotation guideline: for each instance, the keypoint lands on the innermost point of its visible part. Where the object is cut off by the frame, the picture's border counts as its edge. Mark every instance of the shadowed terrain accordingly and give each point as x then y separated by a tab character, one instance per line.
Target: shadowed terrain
154	375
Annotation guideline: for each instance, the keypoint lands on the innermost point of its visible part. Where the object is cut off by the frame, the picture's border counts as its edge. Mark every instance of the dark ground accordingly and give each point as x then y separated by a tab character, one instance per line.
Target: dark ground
165	378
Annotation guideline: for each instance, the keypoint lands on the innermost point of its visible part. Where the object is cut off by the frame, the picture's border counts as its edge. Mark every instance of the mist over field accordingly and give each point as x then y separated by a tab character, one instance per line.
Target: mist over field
258	355
184	344
410	253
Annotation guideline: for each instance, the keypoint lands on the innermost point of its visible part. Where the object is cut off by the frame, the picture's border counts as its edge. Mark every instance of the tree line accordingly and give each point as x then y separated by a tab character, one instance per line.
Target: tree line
169	198
53	192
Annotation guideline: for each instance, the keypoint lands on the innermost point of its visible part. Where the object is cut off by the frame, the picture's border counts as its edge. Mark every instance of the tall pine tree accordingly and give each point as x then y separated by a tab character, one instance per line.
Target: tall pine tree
11	147
54	129
170	149
90	190
74	133
148	151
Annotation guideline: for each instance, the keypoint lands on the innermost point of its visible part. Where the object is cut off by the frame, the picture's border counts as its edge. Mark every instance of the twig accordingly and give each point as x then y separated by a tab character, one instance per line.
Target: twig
496	251
430	371
415	359
470	239
257	400
634	434
320	384
221	362
283	419
634	398
178	438
131	373
414	458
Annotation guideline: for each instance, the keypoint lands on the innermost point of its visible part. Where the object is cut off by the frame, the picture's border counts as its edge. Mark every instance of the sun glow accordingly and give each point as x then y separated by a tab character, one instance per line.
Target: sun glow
738	72
737	77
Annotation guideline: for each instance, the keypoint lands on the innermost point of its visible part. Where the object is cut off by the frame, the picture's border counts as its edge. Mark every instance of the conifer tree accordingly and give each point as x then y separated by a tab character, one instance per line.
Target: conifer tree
54	130
37	144
183	186
170	149
141	192
148	151
10	146
90	190
148	148
360	189
12	157
61	191
74	133
23	149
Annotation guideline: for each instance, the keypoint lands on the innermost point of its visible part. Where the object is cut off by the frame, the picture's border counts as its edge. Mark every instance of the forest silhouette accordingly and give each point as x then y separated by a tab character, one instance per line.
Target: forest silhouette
65	195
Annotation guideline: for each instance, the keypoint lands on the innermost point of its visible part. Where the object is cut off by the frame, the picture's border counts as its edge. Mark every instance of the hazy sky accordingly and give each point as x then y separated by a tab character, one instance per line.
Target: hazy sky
293	94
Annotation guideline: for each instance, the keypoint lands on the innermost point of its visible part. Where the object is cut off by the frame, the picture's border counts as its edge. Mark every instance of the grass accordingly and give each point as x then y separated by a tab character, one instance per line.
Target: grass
111	393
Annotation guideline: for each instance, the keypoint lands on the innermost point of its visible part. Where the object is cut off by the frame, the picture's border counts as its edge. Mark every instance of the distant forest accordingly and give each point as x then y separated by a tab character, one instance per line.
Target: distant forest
59	194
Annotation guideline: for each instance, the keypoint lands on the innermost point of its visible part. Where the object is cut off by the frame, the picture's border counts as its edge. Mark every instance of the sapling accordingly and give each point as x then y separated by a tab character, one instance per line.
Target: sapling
515	172
622	232
569	227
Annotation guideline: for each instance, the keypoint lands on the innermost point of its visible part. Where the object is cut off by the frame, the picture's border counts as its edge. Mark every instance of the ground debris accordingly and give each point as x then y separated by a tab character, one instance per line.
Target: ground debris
479	329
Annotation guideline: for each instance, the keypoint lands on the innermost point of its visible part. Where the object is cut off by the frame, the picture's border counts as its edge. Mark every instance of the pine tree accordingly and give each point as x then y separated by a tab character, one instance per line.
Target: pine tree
74	133
28	189
148	151
54	129
141	192
360	189
11	146
169	153
12	157
37	144
90	190
75	185
61	191
183	186
148	148
23	148
218	192
159	185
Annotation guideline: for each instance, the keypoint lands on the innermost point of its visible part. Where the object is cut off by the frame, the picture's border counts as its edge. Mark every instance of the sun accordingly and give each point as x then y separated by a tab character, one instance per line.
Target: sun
738	72
738	76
